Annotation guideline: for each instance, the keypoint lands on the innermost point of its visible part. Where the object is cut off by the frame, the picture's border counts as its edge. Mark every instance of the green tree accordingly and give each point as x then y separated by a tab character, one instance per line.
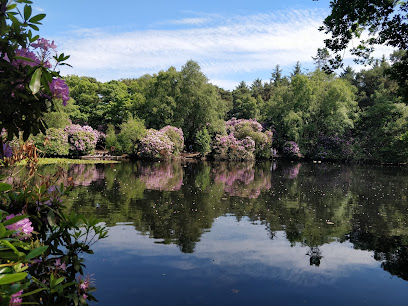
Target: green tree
386	23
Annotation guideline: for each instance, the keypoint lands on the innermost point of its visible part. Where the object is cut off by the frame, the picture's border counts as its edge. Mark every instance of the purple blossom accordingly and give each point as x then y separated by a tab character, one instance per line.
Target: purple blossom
23	226
8	152
60	90
44	44
16	298
155	145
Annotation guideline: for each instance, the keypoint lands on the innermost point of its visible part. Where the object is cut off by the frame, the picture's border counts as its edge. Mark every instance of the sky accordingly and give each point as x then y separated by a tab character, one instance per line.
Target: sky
232	41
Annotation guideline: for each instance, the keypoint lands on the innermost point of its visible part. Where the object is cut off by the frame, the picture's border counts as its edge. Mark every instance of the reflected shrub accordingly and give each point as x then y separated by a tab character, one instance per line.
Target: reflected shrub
162	176
242	180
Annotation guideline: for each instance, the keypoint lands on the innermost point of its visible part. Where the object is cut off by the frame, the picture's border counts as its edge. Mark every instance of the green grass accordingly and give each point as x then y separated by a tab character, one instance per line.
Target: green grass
52	161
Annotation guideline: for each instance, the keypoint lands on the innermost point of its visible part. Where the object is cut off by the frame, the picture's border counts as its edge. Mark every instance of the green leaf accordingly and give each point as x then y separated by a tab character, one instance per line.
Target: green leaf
51	218
11	6
37	18
14	219
27	12
24	58
59	280
33	27
33	292
2	230
36	252
35	83
12	278
5	187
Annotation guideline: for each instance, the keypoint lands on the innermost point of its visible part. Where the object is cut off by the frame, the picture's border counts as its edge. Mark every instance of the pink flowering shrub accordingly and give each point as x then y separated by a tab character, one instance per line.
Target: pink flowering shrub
291	149
82	139
176	136
155	145
244	141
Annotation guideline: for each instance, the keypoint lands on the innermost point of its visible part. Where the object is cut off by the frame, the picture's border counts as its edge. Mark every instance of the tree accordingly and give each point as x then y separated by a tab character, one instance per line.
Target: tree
276	76
322	58
385	22
297	69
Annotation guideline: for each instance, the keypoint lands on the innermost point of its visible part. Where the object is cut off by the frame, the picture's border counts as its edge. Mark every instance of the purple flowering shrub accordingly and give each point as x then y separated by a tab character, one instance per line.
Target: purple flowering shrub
155	145
244	141
176	136
291	149
82	139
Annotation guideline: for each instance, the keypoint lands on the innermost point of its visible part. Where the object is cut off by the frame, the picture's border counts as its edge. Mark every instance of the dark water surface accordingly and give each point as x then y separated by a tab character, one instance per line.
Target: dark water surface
197	233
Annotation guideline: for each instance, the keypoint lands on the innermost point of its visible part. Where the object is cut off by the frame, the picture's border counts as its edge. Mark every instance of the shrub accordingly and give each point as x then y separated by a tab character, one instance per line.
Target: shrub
228	147
176	136
130	134
54	142
155	145
82	139
291	149
232	147
203	141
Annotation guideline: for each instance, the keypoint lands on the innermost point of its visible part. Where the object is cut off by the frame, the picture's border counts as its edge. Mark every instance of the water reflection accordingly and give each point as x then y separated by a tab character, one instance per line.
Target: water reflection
320	218
243	179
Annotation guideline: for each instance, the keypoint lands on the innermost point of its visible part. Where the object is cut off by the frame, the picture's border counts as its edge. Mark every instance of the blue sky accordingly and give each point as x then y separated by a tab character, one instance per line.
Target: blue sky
232	41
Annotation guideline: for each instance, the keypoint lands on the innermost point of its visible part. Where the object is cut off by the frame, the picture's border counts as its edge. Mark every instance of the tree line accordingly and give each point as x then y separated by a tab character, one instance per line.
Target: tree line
350	116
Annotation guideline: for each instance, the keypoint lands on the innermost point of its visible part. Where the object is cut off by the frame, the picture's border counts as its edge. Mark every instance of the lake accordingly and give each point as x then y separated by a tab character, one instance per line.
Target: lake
270	233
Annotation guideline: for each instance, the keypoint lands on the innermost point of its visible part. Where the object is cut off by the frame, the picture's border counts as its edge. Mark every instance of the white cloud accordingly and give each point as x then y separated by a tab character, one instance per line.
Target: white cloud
227	49
39	9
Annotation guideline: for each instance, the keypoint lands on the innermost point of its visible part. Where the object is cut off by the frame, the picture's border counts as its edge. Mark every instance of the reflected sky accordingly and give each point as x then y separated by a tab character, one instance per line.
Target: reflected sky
202	233
233	264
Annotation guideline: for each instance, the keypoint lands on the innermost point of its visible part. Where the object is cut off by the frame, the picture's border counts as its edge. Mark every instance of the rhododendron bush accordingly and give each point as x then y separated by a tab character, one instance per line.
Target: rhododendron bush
244	141
158	144
82	139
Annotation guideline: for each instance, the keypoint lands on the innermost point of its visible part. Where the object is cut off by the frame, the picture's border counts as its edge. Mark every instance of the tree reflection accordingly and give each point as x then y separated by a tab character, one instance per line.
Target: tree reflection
312	204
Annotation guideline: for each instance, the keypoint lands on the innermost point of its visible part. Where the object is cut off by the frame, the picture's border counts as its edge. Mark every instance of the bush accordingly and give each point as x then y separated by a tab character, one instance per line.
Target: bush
291	149
82	139
176	136
155	145
230	148
242	133
54	142
130	134
203	141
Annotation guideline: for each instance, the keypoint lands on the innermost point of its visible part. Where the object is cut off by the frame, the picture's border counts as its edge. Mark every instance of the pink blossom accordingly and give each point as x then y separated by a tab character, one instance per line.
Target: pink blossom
16	298
22	227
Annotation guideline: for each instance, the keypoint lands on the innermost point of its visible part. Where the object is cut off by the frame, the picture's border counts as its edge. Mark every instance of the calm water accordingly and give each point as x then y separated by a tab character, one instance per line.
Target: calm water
197	233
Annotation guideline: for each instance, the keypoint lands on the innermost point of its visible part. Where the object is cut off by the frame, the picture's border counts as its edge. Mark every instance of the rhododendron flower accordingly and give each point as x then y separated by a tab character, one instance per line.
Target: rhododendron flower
44	44
23	226
16	298
60	90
